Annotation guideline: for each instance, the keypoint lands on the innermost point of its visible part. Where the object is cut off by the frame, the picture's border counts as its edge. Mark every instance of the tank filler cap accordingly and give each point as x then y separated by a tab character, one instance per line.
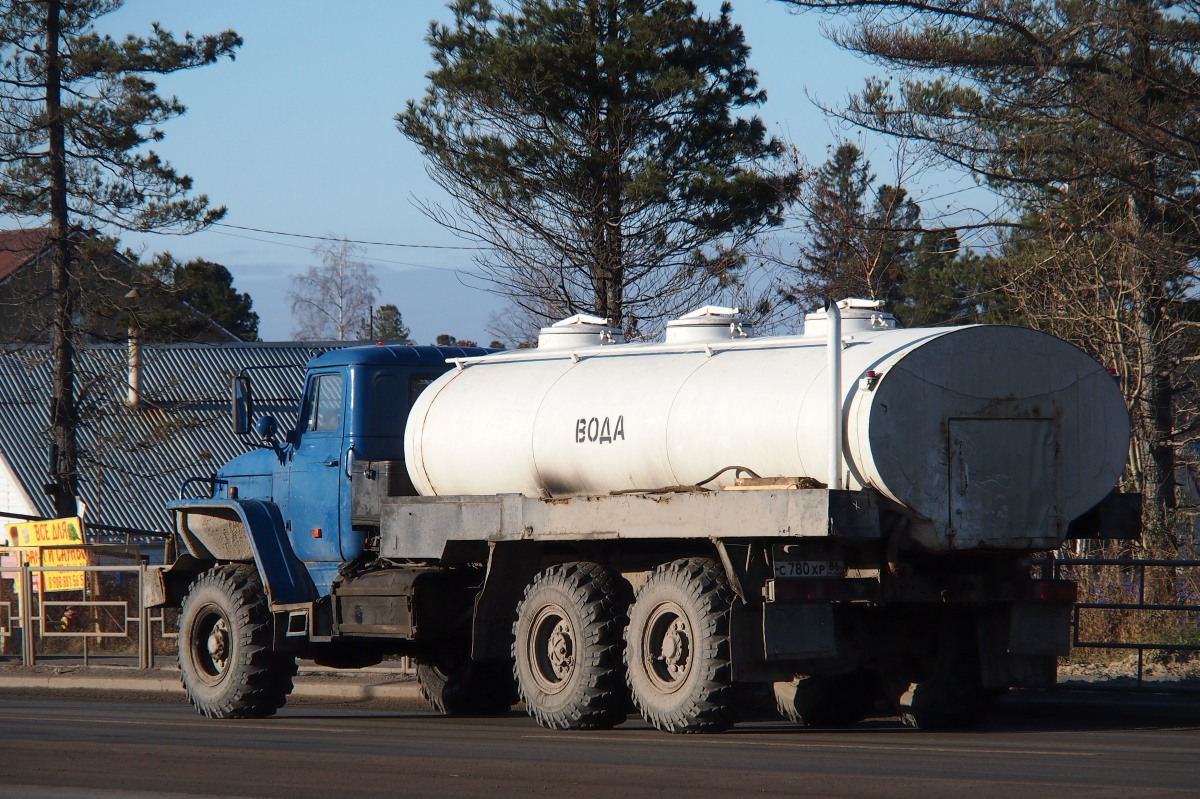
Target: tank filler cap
578	331
706	325
858	316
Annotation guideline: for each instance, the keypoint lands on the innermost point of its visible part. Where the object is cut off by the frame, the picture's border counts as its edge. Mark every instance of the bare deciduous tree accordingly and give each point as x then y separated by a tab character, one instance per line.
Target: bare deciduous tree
333	300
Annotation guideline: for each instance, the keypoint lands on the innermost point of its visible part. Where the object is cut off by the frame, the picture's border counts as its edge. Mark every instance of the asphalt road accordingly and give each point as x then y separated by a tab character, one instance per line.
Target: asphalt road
67	746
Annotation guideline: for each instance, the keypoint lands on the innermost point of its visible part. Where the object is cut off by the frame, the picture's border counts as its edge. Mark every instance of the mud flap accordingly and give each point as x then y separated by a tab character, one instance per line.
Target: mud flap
794	631
1019	645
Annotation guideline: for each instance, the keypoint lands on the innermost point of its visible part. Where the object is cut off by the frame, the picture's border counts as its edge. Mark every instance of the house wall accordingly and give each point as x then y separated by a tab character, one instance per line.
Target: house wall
13	496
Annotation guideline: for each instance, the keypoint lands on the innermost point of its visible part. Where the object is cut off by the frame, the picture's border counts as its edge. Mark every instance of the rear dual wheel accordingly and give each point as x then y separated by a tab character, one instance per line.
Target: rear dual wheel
677	652
567	647
582	650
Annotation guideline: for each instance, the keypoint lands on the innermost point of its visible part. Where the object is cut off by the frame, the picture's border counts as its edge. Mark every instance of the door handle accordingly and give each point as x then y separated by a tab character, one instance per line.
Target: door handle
330	463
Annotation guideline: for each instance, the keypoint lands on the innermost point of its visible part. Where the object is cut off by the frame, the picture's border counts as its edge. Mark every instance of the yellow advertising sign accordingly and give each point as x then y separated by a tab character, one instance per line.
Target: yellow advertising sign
53	538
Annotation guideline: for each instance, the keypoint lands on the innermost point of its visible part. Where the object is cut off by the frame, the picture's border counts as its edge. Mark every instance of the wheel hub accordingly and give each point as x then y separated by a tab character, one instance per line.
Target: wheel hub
213	646
558	649
668	647
675	648
218	646
552	649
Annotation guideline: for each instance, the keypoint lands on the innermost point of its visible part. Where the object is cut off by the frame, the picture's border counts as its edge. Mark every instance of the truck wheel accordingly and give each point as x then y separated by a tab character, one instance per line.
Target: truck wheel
567	647
950	694
824	700
226	661
677	651
455	685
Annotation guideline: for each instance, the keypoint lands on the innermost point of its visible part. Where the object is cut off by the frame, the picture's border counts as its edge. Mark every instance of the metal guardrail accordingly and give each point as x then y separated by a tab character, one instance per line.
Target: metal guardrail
1131	597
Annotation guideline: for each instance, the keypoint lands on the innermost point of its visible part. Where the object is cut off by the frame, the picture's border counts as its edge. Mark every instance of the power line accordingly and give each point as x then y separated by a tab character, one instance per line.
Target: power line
372	259
351	241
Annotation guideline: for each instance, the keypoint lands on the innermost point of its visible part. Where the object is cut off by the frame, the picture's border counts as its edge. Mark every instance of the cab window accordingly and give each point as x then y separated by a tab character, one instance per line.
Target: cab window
388	403
418	385
325	404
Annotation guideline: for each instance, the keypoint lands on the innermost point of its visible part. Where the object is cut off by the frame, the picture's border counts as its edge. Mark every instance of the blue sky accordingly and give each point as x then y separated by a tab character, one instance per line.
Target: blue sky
297	135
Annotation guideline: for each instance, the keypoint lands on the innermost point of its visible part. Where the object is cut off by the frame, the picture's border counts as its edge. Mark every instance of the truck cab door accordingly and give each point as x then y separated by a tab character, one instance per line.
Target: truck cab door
318	474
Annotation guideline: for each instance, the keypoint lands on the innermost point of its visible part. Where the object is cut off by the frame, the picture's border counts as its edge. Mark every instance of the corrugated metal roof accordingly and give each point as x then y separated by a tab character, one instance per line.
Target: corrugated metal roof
133	461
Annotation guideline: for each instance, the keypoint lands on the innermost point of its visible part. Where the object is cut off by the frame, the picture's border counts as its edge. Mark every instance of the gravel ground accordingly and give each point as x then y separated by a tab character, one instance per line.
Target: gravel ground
1181	669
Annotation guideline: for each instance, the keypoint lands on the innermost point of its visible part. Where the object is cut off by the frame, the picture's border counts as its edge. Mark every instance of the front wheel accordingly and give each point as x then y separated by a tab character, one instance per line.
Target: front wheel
677	650
226	661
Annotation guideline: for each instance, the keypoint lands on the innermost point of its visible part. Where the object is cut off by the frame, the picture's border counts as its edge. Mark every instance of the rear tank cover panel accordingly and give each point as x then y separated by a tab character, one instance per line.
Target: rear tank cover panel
993	433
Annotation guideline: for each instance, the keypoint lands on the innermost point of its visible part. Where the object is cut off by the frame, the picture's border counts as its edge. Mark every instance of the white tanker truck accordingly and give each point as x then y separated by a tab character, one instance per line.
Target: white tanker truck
848	516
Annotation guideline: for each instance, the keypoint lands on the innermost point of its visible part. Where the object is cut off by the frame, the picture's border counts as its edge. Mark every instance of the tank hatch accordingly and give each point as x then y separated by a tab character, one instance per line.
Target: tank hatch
706	325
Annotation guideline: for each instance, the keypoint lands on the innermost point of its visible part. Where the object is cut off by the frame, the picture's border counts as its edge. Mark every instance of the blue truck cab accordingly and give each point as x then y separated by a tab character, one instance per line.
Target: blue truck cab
294	493
352	414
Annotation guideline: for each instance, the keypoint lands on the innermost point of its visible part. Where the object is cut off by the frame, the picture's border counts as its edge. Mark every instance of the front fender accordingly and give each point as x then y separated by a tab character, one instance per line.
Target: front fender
248	530
164	586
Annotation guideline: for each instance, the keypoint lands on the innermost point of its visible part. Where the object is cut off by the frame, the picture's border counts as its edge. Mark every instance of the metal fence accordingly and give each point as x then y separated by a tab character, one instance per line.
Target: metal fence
1131	605
99	619
1136	605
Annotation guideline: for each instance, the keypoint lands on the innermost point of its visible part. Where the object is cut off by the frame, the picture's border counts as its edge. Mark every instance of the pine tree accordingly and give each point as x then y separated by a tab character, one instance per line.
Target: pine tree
948	284
853	250
170	301
77	112
1085	117
595	148
208	287
387	324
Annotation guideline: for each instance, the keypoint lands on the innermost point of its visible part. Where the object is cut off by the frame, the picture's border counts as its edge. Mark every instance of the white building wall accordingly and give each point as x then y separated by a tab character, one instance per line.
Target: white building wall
13	496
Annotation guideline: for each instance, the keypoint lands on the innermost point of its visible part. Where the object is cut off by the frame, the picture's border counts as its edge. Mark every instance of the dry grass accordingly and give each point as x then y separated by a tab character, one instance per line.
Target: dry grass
1112	586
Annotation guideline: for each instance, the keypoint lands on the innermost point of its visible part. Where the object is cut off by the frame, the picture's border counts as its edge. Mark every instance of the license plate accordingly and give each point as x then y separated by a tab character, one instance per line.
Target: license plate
786	569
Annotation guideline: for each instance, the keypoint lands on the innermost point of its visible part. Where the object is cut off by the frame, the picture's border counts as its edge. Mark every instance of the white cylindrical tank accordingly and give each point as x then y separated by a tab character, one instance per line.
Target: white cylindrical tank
988	436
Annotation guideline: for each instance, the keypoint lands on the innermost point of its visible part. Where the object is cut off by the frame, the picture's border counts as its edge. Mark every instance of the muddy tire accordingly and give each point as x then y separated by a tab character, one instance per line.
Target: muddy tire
677	650
568	645
226	661
950	694
827	700
459	686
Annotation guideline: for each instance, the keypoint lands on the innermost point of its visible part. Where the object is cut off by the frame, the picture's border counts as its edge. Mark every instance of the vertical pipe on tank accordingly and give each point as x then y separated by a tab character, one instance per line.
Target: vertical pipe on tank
834	355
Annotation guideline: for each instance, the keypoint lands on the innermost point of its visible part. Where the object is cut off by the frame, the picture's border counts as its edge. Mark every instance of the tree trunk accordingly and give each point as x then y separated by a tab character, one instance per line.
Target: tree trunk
63	415
1155	400
1154	409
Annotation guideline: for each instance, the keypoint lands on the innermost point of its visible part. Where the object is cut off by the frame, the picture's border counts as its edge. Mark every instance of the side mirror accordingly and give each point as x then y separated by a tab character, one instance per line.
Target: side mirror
243	405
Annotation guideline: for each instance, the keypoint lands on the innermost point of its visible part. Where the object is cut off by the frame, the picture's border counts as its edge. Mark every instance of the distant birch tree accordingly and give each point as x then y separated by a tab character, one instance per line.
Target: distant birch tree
333	300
